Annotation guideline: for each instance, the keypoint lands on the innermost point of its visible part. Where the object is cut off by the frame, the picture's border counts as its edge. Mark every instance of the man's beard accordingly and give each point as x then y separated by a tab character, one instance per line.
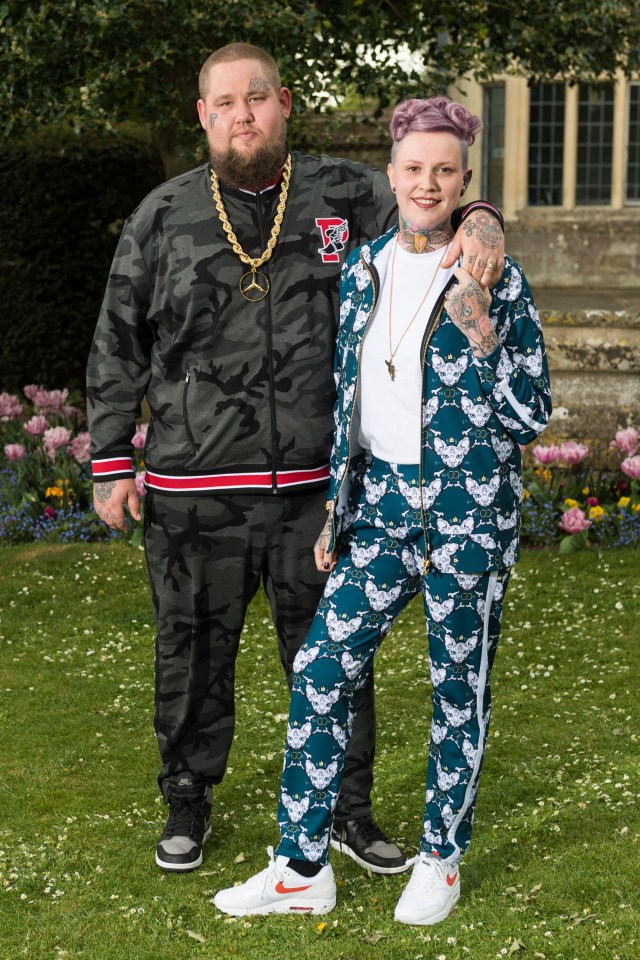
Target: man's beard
250	171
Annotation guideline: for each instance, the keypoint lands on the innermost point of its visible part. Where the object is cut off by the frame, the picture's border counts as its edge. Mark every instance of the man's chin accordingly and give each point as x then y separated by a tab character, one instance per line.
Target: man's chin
249	164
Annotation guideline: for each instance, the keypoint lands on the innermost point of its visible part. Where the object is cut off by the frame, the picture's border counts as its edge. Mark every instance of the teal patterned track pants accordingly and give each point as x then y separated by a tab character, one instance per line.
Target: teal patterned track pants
378	572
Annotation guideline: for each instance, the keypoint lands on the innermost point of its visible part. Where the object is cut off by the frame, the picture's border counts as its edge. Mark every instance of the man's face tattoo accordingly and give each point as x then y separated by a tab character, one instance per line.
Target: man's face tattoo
212	119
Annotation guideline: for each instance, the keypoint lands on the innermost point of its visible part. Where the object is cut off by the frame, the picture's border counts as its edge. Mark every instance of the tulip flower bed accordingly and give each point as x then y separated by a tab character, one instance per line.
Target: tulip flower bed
566	498
45	472
46	489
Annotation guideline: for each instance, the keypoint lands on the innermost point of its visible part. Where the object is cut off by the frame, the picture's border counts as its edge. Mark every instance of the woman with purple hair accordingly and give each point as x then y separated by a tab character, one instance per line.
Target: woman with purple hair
439	381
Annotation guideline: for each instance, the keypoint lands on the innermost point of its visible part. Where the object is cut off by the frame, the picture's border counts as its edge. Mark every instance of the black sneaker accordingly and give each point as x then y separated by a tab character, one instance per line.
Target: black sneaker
188	824
364	842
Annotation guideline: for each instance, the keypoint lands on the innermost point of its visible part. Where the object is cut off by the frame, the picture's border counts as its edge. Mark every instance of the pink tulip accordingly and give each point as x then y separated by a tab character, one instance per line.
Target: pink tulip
546	454
49	401
54	438
631	466
30	391
15	452
574	521
140	487
626	441
140	436
10	407
573	453
79	447
36	425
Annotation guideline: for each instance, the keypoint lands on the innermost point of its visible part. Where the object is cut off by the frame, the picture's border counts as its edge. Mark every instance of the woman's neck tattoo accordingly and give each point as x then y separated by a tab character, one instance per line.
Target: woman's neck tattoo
423	241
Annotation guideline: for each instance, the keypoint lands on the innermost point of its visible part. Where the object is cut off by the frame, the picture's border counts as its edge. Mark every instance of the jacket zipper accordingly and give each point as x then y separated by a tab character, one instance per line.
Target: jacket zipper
185	413
269	338
433	322
375	281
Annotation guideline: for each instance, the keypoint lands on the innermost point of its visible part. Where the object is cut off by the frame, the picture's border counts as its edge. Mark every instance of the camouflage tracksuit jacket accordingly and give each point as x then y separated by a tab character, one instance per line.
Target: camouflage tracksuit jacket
475	413
240	392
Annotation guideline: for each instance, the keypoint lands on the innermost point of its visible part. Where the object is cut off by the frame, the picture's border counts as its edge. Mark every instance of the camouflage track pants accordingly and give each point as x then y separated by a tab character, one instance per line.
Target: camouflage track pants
379	571
206	558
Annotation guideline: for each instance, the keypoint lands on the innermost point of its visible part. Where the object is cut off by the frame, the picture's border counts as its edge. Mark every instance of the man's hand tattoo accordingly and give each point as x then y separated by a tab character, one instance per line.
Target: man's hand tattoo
104	490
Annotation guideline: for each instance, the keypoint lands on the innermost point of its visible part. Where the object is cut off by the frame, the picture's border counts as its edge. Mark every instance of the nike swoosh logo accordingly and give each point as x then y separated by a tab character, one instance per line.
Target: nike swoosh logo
451	879
280	888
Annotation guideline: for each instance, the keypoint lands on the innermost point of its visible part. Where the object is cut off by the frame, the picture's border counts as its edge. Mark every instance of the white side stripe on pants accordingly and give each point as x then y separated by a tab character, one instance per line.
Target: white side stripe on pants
482	683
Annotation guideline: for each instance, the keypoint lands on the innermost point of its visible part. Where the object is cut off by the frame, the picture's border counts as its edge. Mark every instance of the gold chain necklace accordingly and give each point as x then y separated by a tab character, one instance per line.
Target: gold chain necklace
254	285
392	351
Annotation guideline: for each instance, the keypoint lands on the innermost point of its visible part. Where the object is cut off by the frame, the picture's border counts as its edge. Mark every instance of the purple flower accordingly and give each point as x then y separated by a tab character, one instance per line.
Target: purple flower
15	452
37	425
10	407
54	438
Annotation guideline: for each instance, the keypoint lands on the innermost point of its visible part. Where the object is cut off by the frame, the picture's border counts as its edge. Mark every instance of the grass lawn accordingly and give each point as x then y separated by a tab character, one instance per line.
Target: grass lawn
554	867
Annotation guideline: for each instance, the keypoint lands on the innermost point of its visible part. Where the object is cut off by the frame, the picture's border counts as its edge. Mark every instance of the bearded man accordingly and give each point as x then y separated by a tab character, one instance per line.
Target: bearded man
222	309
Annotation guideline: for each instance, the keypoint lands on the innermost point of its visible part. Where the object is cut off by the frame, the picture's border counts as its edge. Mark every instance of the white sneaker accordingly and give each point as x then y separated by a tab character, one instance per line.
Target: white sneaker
279	889
431	894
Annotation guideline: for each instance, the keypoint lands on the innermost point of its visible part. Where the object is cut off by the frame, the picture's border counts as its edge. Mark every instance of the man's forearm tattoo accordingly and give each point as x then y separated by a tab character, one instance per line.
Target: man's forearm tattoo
486	227
104	490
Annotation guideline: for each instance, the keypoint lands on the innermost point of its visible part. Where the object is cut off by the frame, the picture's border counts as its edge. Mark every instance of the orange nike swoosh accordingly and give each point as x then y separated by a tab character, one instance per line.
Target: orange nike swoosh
450	879
280	888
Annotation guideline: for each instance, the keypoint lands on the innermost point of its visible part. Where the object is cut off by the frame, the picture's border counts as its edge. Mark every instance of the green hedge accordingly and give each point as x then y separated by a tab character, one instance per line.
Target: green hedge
63	199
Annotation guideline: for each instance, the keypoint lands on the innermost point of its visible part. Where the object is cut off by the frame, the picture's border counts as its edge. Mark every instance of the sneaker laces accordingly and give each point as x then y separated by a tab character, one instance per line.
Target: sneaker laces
185	818
427	873
270	875
370	831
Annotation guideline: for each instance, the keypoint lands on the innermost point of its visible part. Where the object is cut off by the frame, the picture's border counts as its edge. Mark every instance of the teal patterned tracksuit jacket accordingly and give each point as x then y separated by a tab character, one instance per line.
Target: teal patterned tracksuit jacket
475	414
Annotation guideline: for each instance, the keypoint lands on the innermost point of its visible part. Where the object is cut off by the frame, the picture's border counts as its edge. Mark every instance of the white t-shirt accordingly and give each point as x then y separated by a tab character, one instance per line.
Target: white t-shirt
390	409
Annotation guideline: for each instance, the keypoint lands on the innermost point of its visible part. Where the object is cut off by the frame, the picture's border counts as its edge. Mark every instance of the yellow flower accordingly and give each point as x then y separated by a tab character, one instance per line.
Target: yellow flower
637	508
624	501
585	491
547	475
320	926
525	494
571	503
596	513
54	492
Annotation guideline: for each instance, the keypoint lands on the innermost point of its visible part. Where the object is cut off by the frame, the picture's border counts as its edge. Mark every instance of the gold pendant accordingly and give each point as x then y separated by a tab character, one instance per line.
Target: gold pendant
391	368
254	285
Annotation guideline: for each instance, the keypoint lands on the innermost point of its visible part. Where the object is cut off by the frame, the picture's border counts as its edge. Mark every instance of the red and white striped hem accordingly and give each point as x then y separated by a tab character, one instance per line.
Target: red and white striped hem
203	483
101	468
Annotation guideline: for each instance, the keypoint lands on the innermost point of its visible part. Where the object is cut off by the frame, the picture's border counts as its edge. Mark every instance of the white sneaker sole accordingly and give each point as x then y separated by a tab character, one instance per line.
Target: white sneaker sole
183	867
344	848
284	906
423	921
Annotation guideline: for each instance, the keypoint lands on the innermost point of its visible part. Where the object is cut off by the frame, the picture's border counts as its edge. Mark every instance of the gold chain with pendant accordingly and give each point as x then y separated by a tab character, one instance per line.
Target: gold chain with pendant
254	285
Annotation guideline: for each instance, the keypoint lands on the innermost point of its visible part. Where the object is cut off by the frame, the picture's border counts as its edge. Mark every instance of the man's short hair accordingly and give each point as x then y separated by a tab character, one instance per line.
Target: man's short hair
239	51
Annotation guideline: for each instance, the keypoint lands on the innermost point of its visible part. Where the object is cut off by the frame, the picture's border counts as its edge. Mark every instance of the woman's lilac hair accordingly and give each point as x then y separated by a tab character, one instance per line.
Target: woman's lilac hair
439	114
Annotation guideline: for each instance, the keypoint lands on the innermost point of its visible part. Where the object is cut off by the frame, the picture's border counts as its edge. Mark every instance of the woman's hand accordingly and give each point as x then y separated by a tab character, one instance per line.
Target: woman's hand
467	303
325	560
480	242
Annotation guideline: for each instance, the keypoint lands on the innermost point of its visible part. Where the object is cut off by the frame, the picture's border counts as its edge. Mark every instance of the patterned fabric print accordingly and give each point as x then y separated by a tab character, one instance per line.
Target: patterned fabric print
378	572
475	413
206	558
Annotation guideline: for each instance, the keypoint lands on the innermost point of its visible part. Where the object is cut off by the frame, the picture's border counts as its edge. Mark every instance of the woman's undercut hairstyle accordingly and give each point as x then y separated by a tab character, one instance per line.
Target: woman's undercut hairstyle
437	115
239	51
